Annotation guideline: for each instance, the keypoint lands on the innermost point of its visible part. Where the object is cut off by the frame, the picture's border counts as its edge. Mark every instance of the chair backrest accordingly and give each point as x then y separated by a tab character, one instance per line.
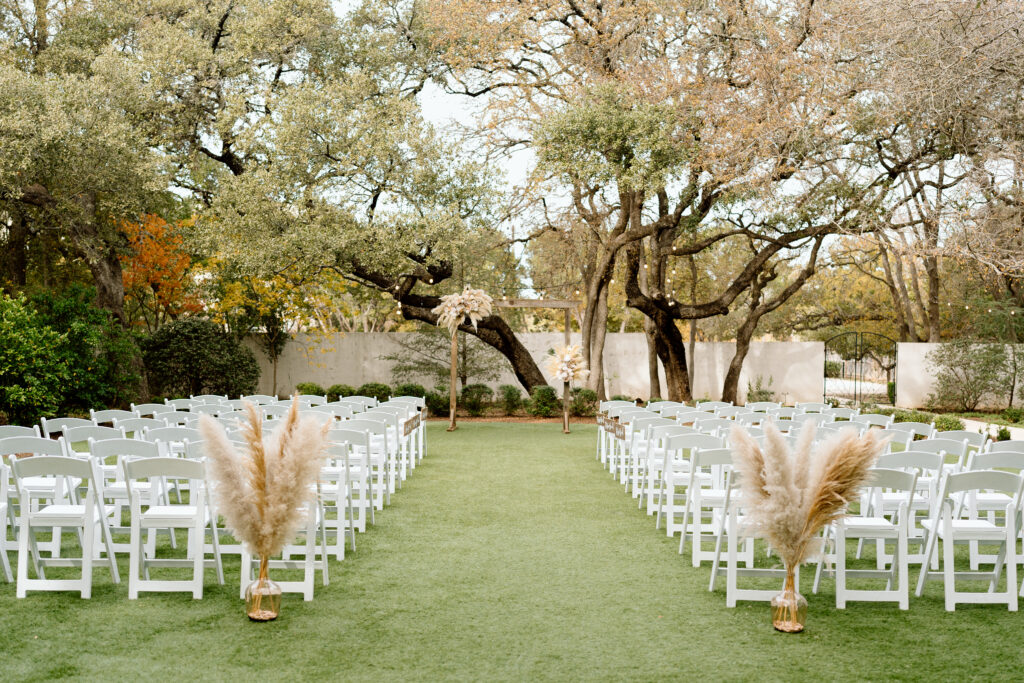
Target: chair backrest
710	406
915	428
895	436
33	445
234	404
230	416
51	426
873	419
948	446
782	424
178	417
763	406
707	457
402	411
209	409
842	413
685	414
321	416
151	409
15	430
137	424
680	442
605	406
74	435
210	398
749	419
173	468
989	480
619	411
713	424
973	439
336	409
365	401
923	461
259	399
784	413
816	418
886	478
371	426
358	437
629	416
418	401
733	411
132	448
1006	460
274	410
182	403
661	406
170	434
1005	447
111	415
311	399
642	425
52	465
811	407
658	432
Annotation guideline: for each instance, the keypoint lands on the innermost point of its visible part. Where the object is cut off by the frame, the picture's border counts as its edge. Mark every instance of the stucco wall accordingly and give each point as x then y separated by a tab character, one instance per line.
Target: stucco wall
914	378
796	368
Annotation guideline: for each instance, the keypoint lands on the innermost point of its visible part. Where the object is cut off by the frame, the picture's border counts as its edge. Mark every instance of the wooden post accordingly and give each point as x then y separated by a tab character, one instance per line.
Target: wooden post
451	390
565	385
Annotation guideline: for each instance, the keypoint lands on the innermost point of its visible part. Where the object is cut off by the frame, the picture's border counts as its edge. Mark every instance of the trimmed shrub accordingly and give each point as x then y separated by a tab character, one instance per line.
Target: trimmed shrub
1013	414
911	416
1003	434
948	423
34	374
833	368
511	398
377	390
336	391
437	402
543	402
583	402
621	397
409	389
475	398
890	389
310	388
196	356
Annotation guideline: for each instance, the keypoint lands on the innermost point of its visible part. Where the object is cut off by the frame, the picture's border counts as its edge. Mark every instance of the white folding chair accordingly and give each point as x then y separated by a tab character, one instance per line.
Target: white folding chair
762	406
35	512
151	409
676	476
311	561
943	526
377	459
100	416
4	512
52	488
56	425
15	430
882	529
705	500
873	420
195	516
922	429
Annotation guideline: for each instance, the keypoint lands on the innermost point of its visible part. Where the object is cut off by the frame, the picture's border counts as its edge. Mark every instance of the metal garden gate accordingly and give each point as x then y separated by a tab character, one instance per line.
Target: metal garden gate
860	367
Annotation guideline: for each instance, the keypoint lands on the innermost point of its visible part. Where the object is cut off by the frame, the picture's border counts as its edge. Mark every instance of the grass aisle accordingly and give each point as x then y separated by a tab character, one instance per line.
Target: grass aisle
510	555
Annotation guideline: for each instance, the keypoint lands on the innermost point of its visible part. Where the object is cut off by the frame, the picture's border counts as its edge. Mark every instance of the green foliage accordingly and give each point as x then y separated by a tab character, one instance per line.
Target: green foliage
1013	414
948	423
760	391
377	390
426	354
890	390
621	397
336	391
475	398
966	373
583	402
1003	434
911	416
310	388
543	402
196	356
409	389
34	373
100	355
511	398
833	368
438	402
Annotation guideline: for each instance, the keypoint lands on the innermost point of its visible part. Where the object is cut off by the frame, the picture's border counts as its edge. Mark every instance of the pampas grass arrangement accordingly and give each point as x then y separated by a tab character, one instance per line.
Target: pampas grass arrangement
789	497
264	491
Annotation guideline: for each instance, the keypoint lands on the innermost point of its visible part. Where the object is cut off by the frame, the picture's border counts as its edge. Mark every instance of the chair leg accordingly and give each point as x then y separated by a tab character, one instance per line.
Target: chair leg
135	551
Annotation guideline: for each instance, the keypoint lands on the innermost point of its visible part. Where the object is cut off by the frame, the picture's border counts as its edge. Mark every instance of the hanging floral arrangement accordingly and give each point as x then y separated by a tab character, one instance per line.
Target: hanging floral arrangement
567	364
455	309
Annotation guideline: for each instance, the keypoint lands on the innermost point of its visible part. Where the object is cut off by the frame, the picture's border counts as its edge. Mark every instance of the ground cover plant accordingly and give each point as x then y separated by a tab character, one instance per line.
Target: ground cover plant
510	555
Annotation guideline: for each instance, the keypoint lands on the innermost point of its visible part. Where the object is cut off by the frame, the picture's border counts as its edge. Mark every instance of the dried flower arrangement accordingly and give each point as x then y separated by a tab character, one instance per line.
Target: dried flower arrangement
788	497
567	364
265	490
454	309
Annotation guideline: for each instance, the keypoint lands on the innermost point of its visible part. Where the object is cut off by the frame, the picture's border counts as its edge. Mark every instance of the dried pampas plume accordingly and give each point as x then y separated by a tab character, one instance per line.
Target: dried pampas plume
788	497
262	490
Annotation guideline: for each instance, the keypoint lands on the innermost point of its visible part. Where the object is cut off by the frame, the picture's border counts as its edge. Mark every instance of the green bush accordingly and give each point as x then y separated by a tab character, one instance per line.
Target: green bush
911	416
409	389
833	368
102	357
34	373
948	423
336	391
967	373
1013	414
437	402
196	356
377	390
543	402
511	398
1003	434
890	389
475	398
583	402
621	397
310	389
760	390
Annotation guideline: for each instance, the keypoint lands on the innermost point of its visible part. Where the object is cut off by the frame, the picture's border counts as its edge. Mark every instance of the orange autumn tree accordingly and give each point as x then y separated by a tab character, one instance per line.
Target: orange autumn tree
157	272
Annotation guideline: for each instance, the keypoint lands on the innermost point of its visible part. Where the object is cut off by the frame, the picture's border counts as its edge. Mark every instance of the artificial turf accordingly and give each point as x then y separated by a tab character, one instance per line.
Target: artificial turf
510	554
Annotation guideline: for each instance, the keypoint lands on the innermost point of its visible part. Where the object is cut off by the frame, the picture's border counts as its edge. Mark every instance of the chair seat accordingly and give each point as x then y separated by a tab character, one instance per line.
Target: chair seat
873	526
971	530
168	515
63	514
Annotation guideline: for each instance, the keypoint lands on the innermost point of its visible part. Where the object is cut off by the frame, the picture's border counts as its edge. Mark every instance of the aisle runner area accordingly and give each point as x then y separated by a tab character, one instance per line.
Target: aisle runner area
510	555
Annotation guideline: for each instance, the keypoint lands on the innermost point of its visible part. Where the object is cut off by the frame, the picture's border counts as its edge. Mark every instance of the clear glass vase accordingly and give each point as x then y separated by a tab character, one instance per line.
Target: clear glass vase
263	597
789	608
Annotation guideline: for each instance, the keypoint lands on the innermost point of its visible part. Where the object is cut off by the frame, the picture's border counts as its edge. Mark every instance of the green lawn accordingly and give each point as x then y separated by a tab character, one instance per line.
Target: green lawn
511	555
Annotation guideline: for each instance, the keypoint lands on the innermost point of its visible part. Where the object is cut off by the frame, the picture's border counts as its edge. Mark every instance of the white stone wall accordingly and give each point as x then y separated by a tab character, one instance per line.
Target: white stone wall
796	368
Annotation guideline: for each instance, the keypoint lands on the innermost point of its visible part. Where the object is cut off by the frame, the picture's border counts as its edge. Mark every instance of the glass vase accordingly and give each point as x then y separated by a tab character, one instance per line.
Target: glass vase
262	596
789	608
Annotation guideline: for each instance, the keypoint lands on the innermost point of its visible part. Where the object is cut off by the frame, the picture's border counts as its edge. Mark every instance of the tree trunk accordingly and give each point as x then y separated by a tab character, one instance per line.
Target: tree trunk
451	386
598	333
931	267
15	262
